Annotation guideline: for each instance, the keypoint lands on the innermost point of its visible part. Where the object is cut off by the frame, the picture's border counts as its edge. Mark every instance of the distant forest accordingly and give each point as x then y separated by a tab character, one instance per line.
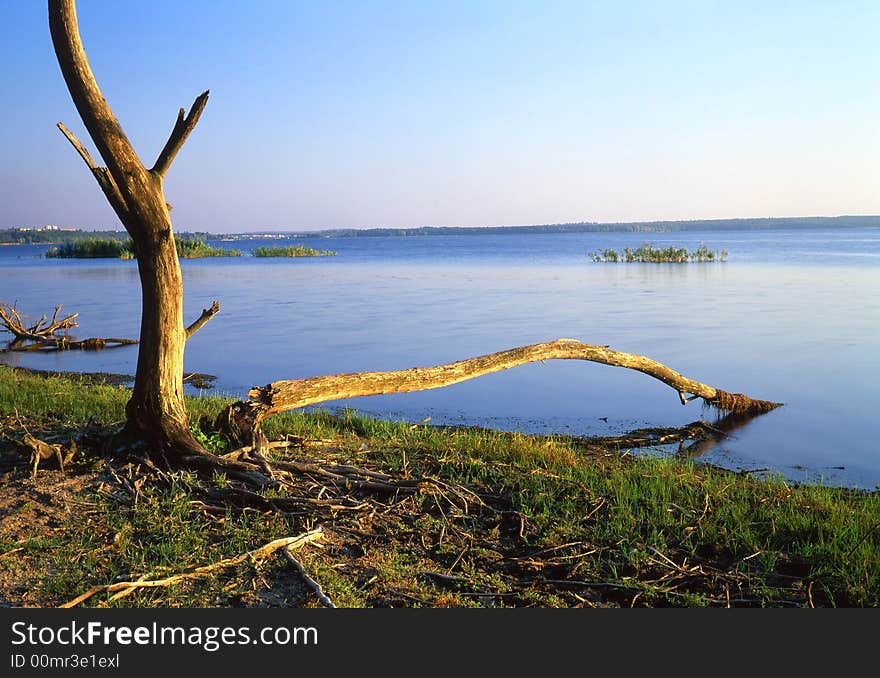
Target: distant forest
42	236
624	227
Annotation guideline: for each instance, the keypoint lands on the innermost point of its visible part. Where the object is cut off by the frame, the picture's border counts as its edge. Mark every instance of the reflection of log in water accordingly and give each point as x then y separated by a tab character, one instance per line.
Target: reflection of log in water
715	433
703	436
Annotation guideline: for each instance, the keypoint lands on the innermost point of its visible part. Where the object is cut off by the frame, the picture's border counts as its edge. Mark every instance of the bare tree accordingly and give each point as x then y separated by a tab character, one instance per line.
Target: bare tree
156	412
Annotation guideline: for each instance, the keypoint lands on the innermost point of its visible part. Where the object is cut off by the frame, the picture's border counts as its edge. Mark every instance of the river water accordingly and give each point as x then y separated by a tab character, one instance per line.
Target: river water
791	316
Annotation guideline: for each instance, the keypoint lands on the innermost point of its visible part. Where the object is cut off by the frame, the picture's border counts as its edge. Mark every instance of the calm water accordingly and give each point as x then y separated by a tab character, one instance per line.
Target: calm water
792	316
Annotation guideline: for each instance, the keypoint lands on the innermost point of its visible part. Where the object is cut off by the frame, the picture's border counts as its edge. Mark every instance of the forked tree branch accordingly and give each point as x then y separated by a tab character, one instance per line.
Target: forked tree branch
199	322
182	129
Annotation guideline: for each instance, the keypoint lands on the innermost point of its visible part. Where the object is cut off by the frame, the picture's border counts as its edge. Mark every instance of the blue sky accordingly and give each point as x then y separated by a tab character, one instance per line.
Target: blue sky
356	114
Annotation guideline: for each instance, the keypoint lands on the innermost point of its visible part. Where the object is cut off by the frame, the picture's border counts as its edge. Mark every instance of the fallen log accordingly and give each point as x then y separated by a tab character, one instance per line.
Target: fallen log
241	421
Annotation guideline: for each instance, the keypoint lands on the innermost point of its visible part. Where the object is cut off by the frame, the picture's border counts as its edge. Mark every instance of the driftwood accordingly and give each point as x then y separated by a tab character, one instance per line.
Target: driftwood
124	588
41	451
311	583
241	421
44	329
43	336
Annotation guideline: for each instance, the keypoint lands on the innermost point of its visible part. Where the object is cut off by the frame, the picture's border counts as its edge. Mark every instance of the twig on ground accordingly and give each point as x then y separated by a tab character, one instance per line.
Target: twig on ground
315	586
199	572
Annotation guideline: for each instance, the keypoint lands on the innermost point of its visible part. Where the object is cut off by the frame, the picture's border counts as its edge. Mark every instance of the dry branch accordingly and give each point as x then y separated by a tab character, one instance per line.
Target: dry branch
184	125
102	174
42	451
312	584
12	321
44	333
242	420
199	572
199	322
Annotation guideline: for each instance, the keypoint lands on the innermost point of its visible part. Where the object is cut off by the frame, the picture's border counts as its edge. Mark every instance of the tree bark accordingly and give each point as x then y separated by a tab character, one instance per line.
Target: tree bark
156	411
241	421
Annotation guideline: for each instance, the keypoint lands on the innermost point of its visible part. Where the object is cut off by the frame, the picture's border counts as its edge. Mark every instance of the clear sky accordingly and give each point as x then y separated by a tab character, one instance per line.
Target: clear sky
354	114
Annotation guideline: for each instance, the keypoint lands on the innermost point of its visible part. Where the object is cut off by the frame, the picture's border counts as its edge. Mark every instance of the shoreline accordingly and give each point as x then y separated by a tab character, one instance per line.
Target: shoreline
491	519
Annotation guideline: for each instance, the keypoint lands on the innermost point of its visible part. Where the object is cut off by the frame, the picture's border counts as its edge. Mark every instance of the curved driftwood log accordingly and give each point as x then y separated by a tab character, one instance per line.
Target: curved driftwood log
241	420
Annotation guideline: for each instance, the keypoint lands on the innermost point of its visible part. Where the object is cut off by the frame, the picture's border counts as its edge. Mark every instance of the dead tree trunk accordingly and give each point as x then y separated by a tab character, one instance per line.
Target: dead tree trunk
156	411
241	421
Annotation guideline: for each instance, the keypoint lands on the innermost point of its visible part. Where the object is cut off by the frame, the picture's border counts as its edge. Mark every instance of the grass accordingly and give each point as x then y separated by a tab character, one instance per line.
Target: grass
655	255
292	251
551	522
109	248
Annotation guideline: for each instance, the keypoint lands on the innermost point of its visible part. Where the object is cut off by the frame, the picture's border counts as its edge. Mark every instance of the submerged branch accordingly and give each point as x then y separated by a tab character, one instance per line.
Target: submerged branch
12	321
43	335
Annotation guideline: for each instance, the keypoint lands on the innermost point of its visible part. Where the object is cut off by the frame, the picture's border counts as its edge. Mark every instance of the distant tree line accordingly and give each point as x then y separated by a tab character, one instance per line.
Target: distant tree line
621	227
55	237
19	236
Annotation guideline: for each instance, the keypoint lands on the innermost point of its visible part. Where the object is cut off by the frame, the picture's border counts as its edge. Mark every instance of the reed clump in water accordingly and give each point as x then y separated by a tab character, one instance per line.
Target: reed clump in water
658	255
292	251
111	248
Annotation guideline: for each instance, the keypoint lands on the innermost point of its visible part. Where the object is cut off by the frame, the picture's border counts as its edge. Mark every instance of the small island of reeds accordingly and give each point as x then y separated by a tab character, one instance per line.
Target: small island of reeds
656	255
111	248
292	251
92	248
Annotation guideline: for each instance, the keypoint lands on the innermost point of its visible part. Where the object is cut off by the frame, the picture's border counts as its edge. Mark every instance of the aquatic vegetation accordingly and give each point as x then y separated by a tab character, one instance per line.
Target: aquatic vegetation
111	248
655	255
292	251
196	249
93	248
